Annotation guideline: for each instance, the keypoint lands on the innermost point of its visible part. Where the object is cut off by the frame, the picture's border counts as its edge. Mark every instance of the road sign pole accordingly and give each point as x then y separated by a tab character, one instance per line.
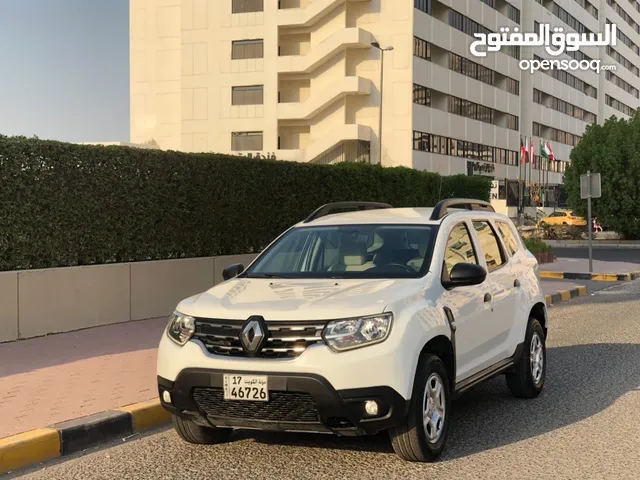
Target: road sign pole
590	224
590	187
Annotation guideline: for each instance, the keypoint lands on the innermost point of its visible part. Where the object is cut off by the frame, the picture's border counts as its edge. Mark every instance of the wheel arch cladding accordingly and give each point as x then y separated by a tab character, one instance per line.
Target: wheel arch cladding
443	348
539	312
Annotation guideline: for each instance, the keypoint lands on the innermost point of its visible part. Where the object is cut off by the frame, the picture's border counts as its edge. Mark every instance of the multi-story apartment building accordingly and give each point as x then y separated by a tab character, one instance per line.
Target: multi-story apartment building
301	80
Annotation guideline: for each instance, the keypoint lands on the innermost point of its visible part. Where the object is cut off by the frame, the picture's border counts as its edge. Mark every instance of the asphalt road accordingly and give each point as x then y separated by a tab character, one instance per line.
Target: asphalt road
592	286
585	424
631	255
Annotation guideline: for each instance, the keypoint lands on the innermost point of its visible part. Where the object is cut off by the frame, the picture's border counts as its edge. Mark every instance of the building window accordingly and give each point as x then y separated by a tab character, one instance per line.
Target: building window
569	19
556	135
537	96
620	83
512	122
513	86
618	105
421	48
423	5
426	142
247	6
468	26
241	141
249	95
513	13
244	49
626	40
421	95
568	79
623	60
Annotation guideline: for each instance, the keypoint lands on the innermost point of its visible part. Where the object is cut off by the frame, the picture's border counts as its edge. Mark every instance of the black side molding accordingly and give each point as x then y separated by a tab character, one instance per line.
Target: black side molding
489	372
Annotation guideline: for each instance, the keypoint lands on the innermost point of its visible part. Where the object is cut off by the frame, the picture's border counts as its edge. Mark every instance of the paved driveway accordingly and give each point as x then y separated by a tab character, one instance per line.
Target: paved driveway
585	425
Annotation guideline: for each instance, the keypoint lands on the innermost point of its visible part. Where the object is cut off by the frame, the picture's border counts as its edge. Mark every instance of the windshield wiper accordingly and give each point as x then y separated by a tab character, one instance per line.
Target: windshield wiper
268	275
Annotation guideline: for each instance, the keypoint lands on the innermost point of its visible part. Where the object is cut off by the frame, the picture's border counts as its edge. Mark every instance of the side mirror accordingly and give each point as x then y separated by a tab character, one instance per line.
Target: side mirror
466	274
232	271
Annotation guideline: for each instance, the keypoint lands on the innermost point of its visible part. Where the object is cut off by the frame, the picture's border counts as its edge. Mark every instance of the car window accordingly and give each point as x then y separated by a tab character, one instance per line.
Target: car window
459	248
348	251
490	246
508	238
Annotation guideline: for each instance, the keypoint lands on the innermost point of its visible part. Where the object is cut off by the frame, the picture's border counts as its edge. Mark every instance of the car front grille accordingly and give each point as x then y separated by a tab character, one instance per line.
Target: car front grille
285	340
282	406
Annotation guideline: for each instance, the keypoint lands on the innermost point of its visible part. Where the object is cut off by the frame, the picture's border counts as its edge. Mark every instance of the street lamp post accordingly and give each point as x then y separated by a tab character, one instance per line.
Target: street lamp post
382	50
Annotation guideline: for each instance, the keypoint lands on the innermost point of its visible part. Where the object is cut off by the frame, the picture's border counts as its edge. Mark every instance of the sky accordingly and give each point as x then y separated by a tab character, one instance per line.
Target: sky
64	69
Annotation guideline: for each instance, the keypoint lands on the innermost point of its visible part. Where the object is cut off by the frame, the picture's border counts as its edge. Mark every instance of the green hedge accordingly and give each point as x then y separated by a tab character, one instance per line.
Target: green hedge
535	245
63	204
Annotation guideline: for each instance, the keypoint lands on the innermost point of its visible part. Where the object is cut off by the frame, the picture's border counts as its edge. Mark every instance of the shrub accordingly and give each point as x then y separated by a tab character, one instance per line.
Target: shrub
535	245
64	204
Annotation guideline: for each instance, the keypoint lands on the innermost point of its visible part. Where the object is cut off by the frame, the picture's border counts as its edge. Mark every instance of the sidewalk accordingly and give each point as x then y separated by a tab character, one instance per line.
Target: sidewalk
51	379
578	269
60	377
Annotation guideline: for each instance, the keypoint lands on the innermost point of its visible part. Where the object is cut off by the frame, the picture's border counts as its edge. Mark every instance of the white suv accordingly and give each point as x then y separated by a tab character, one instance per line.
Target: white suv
358	322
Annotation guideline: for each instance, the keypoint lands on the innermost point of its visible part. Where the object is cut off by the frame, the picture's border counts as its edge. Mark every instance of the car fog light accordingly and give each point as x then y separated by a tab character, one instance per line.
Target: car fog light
166	396
371	407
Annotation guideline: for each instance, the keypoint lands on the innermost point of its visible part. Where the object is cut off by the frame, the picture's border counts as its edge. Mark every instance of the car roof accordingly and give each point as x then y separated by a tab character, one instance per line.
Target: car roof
394	216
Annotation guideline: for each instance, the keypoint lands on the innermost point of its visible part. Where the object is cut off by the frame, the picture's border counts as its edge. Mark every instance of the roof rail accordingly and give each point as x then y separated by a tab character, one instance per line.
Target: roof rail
442	207
330	207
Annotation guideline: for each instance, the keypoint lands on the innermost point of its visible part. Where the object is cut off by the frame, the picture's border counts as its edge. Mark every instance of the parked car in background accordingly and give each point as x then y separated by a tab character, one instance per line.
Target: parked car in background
563	217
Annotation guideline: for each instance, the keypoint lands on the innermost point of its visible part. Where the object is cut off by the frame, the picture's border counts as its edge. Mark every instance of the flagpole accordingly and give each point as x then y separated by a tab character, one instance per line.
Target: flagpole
520	160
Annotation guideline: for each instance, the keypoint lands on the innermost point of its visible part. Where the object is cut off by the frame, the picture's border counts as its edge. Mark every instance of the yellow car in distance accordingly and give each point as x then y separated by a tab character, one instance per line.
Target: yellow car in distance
563	217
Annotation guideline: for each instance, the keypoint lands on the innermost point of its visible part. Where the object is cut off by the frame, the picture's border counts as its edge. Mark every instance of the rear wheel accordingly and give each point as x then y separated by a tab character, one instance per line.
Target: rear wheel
422	438
527	379
193	433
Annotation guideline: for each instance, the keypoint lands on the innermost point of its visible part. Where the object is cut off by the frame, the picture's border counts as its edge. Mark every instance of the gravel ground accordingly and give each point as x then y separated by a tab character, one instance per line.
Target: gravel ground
585	425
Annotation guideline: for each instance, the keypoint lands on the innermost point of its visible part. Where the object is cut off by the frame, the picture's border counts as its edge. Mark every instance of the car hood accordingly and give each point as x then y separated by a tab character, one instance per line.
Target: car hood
285	299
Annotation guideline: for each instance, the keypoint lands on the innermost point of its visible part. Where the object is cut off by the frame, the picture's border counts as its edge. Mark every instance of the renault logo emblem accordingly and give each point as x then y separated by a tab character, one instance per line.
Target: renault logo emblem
253	335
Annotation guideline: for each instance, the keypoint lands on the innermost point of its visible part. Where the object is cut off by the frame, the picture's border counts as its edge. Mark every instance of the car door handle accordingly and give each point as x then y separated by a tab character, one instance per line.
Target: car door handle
487	297
516	283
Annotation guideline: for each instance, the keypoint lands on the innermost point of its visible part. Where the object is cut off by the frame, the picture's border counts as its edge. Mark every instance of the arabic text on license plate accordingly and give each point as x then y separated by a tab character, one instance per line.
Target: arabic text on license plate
246	387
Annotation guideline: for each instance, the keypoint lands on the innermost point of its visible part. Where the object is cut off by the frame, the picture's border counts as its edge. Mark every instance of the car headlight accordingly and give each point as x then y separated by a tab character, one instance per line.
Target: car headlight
347	334
181	328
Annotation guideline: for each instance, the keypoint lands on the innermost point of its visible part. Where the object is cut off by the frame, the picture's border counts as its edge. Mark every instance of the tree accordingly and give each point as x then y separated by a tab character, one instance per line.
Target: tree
613	150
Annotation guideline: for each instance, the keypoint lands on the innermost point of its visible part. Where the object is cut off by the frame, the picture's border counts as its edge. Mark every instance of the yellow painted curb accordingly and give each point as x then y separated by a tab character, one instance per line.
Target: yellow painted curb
548	299
147	415
28	448
554	275
582	291
565	295
607	277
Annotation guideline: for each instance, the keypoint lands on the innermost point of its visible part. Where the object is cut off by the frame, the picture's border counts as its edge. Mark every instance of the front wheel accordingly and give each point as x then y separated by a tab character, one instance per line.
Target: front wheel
422	438
197	434
527	379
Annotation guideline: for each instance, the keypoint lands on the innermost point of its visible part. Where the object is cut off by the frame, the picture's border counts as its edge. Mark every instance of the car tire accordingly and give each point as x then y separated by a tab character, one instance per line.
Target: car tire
419	440
529	373
197	434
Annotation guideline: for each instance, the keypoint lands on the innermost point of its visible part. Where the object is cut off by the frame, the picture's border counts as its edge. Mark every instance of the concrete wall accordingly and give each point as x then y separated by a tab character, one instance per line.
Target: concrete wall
39	302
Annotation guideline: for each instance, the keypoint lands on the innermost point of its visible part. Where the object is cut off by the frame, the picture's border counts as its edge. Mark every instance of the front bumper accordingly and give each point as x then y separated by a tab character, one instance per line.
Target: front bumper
298	402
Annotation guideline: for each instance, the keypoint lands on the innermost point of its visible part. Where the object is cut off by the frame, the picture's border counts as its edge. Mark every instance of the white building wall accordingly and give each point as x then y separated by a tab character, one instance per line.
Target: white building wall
328	78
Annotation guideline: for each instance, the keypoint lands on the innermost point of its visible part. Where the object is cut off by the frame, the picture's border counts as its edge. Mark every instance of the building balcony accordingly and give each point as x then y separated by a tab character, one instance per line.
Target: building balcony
325	50
307	12
317	102
326	148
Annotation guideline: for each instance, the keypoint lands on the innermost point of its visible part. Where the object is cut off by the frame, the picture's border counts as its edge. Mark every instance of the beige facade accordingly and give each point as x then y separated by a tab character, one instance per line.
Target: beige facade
299	80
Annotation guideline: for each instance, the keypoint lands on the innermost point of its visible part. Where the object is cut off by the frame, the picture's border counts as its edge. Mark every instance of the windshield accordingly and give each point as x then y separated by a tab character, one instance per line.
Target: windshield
348	251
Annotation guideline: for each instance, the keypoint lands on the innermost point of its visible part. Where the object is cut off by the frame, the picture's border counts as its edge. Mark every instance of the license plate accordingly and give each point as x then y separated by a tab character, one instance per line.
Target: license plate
246	387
